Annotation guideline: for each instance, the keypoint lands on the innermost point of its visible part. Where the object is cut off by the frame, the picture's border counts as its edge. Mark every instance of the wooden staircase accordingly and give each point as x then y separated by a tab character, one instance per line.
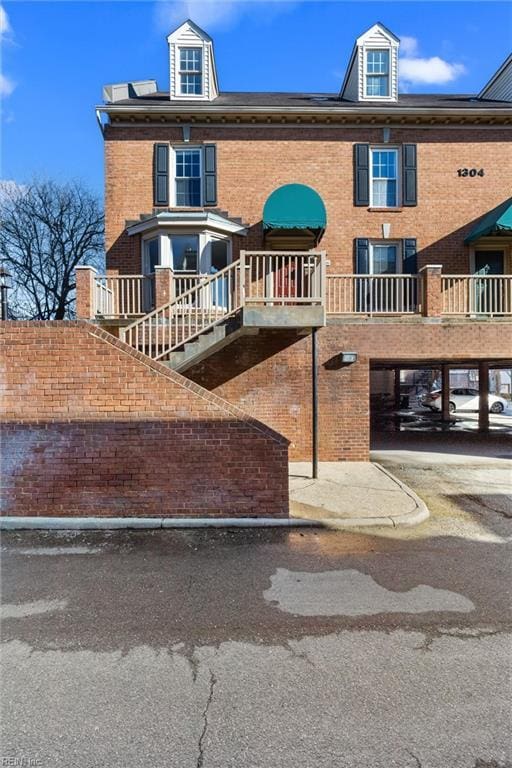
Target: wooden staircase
262	289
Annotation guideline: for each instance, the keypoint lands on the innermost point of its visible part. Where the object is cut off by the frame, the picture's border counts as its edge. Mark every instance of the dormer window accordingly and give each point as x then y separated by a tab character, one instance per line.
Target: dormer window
191	71
191	64
377	73
372	73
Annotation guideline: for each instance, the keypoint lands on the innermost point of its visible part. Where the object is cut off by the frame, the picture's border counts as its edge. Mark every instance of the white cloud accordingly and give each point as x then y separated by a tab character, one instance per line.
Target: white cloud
428	71
5	27
7	85
212	14
408	45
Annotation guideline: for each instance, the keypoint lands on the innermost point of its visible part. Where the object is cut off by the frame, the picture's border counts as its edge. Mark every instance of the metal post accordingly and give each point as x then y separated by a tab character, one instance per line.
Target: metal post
483	400
314	403
4	287
445	393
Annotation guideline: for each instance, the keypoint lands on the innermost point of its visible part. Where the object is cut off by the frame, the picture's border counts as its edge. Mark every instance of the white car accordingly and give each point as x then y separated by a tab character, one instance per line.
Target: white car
463	399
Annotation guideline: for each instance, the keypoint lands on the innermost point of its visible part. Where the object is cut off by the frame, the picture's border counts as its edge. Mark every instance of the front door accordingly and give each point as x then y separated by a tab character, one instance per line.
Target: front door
487	294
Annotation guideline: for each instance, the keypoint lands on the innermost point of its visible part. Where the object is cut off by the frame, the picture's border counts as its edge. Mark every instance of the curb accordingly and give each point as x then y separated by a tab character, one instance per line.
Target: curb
416	516
147	523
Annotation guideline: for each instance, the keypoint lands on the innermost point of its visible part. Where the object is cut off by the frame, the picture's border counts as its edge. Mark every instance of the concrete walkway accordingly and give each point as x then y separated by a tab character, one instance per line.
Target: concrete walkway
352	494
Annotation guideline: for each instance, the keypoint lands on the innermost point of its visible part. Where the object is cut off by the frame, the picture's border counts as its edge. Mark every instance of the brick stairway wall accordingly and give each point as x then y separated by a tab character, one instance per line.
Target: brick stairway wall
91	427
269	375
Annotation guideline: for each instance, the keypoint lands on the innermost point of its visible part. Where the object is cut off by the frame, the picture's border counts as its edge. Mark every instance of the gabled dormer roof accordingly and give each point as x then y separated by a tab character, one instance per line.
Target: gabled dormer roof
499	87
189	27
380	37
190	35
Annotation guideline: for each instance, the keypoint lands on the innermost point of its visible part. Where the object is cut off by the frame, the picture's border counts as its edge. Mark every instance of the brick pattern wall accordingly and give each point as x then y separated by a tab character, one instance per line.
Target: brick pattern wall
253	161
269	375
91	427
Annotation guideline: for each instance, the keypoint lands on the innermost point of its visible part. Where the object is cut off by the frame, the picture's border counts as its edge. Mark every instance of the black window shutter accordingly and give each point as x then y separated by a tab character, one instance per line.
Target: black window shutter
409	175
362	255
361	174
161	174
210	174
409	256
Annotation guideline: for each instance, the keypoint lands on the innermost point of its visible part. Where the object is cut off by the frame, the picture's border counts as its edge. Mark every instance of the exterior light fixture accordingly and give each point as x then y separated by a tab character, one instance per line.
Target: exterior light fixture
4	287
348	357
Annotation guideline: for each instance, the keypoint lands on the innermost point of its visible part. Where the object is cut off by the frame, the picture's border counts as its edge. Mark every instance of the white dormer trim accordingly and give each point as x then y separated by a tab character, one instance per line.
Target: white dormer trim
378	37
188	36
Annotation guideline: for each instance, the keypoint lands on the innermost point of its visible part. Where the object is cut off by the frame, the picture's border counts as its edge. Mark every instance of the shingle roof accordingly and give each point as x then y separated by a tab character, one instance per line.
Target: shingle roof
329	101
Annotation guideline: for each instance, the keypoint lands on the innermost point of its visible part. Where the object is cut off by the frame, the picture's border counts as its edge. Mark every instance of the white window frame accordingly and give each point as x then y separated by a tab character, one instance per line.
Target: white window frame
181	71
399	255
172	192
396	150
367	74
205	236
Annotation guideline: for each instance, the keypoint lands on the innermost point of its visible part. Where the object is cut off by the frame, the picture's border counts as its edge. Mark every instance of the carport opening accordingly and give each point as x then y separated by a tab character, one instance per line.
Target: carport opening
439	399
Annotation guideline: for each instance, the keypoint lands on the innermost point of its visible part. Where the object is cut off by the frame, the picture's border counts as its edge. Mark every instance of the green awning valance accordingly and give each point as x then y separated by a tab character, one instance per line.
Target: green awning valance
294	206
496	222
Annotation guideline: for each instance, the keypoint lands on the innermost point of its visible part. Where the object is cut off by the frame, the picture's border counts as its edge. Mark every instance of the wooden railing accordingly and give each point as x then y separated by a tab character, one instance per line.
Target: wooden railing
372	294
193	312
477	294
291	277
123	295
184	282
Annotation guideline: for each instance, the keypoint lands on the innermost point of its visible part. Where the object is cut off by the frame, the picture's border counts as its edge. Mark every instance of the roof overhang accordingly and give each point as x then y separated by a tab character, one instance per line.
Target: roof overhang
187	220
498	221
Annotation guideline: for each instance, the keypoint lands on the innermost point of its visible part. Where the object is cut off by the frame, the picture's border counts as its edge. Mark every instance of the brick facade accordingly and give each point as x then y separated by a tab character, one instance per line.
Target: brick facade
269	375
91	427
255	160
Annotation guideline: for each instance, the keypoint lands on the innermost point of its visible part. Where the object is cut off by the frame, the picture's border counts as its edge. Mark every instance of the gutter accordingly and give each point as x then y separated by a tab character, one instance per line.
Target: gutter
352	111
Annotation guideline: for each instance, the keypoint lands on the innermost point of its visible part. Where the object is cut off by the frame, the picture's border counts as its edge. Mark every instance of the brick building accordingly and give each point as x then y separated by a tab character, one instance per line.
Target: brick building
275	248
395	206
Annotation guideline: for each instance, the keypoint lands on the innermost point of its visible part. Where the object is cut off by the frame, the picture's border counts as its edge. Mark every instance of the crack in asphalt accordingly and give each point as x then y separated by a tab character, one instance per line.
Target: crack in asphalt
460	634
200	756
415	758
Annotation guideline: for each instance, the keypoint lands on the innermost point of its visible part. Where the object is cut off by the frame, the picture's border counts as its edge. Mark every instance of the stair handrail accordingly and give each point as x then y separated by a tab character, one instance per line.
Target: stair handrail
157	334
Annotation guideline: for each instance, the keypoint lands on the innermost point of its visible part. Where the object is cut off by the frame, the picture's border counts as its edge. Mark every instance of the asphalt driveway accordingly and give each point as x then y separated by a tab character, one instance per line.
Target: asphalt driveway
264	648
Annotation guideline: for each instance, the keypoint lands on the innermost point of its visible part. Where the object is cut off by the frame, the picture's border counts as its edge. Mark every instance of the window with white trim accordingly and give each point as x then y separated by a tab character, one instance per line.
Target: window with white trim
377	73
191	71
385	258
188	177
384	177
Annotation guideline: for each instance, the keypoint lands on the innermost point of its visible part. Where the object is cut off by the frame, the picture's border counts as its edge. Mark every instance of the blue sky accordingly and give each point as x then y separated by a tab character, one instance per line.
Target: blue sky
57	55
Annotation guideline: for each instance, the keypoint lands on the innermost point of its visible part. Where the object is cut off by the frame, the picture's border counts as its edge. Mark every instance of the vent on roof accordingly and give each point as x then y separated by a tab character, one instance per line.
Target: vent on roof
133	90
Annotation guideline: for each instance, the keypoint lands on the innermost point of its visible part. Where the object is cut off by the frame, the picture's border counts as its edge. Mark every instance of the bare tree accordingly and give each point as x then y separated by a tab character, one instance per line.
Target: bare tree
46	230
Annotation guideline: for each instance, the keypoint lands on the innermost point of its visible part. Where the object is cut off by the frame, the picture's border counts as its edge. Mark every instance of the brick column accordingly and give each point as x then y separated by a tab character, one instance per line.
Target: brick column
85	306
432	296
164	292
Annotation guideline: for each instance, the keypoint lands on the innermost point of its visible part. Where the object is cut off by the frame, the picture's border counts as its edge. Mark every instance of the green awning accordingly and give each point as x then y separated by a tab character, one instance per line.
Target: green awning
294	206
496	222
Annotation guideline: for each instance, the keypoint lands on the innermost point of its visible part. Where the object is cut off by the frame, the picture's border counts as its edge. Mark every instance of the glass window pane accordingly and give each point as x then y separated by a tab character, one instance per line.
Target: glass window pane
190	59
219	254
184	250
151	255
377	62
377	85
384	260
384	177
188	177
191	84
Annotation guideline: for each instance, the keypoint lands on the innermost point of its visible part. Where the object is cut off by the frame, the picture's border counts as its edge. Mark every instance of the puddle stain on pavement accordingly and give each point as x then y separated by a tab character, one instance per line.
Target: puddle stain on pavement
352	593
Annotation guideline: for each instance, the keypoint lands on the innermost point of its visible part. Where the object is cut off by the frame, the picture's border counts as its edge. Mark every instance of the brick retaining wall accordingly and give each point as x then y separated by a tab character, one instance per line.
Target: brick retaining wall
91	427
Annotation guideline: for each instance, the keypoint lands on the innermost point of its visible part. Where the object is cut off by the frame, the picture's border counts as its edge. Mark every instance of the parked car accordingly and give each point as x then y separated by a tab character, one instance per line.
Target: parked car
462	399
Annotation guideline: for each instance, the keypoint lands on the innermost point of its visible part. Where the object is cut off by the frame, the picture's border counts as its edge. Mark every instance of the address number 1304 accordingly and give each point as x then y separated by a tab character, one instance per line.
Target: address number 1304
470	172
